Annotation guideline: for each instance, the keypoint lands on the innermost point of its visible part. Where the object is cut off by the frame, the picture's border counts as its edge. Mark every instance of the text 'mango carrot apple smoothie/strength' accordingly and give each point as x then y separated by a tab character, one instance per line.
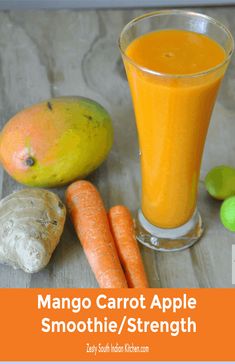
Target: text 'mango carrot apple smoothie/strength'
174	76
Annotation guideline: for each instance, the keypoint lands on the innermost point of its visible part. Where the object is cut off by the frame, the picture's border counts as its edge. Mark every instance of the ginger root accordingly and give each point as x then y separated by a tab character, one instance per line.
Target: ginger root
31	224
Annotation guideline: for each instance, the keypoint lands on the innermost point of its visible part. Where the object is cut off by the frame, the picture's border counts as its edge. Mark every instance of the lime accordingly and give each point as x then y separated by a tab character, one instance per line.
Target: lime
227	213
220	182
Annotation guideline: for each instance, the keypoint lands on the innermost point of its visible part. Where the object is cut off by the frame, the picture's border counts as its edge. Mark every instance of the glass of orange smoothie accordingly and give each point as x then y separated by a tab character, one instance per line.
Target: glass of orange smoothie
175	61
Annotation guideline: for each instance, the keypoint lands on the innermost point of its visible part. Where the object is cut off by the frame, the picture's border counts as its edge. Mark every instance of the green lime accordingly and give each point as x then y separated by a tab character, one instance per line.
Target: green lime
227	213
220	182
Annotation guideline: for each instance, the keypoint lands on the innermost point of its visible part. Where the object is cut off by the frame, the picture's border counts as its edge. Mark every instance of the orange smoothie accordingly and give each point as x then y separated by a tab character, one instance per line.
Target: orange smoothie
172	114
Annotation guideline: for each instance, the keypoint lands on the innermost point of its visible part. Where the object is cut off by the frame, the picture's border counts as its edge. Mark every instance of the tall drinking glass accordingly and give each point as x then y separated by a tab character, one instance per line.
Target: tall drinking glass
173	110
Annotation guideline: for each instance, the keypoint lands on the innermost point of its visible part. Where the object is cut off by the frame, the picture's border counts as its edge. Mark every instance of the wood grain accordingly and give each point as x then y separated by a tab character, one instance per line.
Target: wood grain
52	53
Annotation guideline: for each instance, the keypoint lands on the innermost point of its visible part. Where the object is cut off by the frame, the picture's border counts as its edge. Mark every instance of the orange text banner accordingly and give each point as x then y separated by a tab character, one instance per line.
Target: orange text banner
116	325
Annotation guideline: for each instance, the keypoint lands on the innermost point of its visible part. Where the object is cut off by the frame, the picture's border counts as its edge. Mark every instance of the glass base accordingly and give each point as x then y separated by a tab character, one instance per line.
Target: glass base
168	240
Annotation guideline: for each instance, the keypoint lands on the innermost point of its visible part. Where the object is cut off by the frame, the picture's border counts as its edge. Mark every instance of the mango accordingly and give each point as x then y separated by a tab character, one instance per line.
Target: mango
56	141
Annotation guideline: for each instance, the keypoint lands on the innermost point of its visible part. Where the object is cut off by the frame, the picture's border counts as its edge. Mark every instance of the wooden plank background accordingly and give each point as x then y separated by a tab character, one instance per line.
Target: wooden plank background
52	53
90	4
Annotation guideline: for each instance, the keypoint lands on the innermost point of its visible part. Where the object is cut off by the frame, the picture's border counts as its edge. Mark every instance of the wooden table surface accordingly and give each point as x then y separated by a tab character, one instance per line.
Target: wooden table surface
45	54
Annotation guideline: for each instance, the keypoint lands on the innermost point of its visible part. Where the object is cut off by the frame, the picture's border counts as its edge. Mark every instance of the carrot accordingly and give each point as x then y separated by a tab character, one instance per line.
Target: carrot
91	223
123	231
